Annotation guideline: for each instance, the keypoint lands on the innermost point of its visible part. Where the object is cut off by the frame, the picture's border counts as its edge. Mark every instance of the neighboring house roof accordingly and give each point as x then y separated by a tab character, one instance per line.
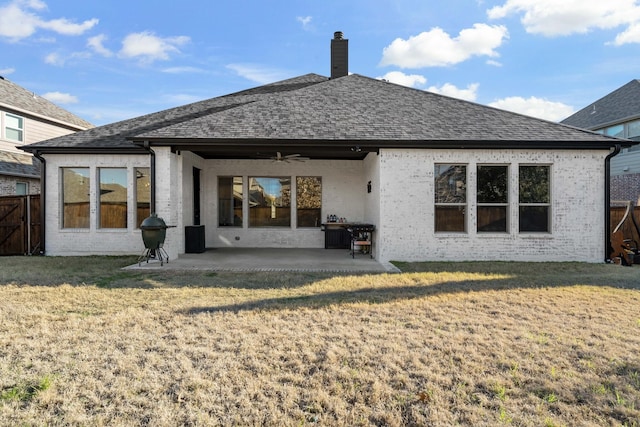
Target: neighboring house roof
25	101
315	112
16	164
619	106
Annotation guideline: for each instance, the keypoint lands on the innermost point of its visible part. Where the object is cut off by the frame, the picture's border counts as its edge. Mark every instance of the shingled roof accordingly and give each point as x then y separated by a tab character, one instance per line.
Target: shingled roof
16	164
621	105
16	97
313	111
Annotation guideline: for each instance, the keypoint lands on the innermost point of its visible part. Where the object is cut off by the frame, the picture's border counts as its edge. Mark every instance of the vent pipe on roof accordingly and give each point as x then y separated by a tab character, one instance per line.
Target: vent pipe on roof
339	56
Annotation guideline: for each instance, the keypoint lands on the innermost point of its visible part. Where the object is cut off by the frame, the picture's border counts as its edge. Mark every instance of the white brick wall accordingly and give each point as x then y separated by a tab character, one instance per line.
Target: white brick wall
93	240
401	205
406	230
343	194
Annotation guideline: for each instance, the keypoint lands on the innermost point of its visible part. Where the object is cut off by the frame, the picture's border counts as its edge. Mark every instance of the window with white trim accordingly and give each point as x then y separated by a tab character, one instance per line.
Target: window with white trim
492	198
534	198
13	127
450	197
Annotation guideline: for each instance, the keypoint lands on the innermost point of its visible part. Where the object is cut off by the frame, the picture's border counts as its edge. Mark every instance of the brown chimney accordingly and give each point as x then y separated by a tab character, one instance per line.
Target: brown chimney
339	56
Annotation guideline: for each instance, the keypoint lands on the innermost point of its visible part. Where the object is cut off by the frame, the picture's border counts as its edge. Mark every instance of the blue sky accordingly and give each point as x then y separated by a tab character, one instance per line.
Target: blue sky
112	60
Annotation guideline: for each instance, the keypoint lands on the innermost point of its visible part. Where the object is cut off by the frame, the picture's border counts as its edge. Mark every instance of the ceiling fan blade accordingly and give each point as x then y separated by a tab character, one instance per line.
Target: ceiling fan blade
294	157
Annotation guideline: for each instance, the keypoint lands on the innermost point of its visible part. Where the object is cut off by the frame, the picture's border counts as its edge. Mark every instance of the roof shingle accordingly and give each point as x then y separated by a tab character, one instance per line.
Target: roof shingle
18	97
314	108
620	105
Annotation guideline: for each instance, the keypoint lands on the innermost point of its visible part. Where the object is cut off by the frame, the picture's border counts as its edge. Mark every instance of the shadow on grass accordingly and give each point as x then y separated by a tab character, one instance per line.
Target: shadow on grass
549	278
107	273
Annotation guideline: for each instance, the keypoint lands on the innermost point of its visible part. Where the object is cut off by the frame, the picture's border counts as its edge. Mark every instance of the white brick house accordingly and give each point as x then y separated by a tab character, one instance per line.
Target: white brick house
440	178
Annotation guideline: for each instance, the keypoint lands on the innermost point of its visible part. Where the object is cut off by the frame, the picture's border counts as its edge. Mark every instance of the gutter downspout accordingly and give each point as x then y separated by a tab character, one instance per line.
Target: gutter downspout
607	202
152	172
43	200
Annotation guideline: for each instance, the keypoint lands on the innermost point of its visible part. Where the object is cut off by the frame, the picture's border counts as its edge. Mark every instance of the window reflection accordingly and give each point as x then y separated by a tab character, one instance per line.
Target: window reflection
269	201
75	197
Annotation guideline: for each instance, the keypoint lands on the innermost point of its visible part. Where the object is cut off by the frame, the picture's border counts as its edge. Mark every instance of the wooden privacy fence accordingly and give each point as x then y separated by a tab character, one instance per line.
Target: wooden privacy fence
20	231
627	228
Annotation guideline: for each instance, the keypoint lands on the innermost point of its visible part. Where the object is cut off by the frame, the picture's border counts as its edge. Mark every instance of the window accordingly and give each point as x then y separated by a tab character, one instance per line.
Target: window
75	197
617	131
270	202
143	195
534	198
113	197
308	201
230	201
633	130
450	197
13	127
492	198
22	188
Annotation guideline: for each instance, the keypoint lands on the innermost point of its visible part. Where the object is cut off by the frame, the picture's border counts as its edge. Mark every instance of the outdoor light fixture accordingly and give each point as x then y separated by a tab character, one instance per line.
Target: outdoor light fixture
357	149
369	187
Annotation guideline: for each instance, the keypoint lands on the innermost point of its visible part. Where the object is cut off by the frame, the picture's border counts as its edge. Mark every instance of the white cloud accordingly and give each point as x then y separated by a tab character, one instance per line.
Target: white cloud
183	70
148	47
96	43
59	60
63	26
257	73
60	98
468	94
18	21
305	21
7	71
180	99
630	35
535	107
436	48
54	59
559	18
398	77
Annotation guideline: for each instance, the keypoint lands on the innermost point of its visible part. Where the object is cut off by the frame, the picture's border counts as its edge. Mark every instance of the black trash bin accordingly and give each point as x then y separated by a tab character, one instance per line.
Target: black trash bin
194	239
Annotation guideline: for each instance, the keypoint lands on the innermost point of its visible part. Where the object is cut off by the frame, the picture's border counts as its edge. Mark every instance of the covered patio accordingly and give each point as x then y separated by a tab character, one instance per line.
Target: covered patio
271	259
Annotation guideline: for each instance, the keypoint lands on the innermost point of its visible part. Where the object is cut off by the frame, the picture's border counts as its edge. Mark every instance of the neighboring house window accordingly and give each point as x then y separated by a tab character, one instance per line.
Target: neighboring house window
270	201
143	194
22	188
450	197
534	198
492	198
308	201
617	131
75	197
230	196
14	127
633	132
113	197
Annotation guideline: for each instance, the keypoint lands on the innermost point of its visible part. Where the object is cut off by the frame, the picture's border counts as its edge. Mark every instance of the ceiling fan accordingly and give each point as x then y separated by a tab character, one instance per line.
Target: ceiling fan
288	158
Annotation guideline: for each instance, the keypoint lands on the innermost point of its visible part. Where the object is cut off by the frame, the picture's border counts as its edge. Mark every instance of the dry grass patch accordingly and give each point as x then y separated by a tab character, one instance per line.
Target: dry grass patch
84	343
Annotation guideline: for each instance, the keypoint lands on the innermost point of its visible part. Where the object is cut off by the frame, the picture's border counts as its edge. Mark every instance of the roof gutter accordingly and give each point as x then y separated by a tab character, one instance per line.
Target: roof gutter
607	202
152	167
43	199
188	143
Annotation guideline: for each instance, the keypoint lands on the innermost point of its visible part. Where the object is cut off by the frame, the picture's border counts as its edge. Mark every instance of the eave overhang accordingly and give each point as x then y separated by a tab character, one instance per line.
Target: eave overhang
354	149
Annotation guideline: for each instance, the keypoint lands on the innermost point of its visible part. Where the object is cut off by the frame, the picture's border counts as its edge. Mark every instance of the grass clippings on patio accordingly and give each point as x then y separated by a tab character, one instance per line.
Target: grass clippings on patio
85	343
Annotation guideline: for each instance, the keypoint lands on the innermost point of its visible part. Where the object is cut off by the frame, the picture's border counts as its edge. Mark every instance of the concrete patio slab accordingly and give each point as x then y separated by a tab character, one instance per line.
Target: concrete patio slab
271	259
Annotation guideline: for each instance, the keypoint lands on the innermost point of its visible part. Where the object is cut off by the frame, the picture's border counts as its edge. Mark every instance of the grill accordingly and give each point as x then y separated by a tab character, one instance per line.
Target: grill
154	231
361	239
